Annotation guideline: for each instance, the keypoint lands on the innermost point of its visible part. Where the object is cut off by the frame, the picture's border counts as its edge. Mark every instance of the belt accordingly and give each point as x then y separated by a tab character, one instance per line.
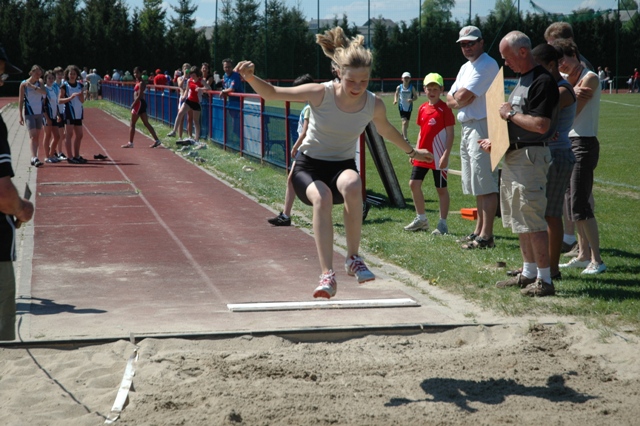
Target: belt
514	146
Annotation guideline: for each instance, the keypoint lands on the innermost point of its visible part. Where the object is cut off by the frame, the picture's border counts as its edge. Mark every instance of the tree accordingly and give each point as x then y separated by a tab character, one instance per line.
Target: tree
32	33
11	12
106	33
436	11
183	39
505	11
628	5
152	30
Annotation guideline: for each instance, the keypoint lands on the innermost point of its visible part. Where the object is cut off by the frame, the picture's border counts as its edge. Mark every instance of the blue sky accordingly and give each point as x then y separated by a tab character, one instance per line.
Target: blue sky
358	10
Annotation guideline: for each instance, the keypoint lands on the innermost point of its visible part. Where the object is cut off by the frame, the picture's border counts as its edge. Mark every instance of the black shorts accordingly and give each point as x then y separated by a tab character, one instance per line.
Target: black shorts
308	170
193	105
439	176
139	108
405	115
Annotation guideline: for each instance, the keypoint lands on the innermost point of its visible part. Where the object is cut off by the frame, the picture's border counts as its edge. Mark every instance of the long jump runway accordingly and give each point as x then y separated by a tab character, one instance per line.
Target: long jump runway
150	244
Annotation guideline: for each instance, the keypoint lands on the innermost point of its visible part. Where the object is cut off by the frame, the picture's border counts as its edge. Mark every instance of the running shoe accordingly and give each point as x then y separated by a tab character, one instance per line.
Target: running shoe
280	220
155	144
81	160
575	263
355	267
441	229
417	225
36	162
594	268
171	133
62	157
127	145
328	285
72	161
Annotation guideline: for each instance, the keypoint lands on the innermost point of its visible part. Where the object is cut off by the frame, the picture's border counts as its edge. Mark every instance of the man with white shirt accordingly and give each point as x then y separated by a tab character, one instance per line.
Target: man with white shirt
467	95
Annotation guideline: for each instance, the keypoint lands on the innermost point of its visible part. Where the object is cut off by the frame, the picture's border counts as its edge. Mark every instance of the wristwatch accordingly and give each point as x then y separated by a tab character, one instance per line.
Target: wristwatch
510	114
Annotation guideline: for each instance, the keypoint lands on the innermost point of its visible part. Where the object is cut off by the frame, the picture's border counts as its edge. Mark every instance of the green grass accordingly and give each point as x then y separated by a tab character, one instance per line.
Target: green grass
611	299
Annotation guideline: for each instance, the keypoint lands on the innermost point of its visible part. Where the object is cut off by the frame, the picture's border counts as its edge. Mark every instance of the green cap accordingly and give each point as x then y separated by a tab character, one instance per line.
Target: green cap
434	77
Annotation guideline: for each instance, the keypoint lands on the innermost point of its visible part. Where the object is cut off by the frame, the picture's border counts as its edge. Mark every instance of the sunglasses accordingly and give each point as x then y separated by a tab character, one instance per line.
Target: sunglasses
468	44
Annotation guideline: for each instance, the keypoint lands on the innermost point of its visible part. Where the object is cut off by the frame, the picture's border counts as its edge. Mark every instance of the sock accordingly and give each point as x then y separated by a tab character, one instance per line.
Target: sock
422	216
284	215
544	274
569	239
529	270
443	221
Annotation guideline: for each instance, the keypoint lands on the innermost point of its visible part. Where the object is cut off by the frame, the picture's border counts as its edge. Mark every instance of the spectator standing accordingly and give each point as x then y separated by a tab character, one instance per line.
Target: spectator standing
468	96
586	147
404	97
562	157
531	116
31	97
159	79
636	81
183	84
232	83
116	76
436	123
284	218
59	73
14	210
325	172
94	82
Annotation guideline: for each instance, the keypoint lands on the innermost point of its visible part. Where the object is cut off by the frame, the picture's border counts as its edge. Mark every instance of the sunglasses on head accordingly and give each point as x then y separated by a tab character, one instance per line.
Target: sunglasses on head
468	44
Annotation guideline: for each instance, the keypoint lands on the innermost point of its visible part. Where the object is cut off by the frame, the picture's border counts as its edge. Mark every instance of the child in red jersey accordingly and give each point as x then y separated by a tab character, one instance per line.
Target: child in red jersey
436	123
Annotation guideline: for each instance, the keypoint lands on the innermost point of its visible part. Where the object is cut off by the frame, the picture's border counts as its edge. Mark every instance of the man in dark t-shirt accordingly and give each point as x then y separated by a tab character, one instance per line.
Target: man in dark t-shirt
532	119
13	211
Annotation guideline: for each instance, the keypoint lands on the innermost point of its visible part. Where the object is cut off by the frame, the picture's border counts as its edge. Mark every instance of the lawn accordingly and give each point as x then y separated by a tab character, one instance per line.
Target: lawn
611	299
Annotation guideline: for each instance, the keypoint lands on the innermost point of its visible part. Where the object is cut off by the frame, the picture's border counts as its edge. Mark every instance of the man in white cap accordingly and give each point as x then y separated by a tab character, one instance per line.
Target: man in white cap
467	95
404	97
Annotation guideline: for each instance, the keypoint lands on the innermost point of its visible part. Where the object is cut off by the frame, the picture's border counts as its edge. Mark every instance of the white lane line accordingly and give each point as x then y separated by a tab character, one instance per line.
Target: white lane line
174	237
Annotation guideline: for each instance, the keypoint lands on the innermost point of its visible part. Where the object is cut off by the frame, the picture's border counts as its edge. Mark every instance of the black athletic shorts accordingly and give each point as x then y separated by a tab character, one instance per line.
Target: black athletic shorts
193	105
439	176
307	170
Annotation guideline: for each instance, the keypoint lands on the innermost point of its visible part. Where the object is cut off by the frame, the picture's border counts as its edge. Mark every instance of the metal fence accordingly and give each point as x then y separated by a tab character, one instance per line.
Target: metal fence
240	122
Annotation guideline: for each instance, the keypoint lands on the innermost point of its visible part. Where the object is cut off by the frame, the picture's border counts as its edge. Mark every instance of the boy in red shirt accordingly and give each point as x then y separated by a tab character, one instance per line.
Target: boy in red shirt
436	123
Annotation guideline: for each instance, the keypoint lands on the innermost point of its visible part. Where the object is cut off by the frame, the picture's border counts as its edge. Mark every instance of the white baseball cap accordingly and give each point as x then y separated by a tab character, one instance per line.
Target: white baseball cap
469	33
406	74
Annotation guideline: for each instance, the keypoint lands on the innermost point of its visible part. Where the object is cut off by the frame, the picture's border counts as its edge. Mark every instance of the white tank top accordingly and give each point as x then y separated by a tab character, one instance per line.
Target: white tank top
332	134
586	123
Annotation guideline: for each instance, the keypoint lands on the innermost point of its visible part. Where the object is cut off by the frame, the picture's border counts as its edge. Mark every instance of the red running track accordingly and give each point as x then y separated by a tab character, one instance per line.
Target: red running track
149	243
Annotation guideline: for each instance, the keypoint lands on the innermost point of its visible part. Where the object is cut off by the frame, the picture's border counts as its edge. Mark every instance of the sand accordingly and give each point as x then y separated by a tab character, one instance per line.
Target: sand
516	374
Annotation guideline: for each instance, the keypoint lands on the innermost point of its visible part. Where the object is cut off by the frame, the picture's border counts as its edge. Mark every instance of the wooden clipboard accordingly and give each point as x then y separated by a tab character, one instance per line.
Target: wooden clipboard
498	128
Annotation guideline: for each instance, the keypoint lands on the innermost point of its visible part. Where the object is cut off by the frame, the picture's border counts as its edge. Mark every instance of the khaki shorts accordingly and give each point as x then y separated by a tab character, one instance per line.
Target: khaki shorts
523	199
477	177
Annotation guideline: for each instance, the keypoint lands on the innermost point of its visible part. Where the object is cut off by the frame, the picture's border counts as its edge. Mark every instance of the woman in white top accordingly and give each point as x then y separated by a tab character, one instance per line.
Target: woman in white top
325	172
586	147
51	118
32	93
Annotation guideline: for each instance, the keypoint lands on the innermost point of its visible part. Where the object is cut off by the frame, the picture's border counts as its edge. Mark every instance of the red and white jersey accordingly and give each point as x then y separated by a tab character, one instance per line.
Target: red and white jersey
433	121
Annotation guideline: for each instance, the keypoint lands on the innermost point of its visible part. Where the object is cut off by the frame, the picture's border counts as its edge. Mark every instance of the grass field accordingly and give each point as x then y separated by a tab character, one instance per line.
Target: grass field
611	299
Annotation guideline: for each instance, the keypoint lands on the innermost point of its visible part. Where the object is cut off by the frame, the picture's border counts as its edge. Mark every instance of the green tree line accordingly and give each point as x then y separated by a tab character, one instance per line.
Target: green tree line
106	34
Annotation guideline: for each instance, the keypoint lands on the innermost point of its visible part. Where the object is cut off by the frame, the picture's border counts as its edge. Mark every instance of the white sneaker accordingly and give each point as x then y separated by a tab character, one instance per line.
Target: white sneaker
171	133
441	229
355	266
328	286
417	225
575	263
594	268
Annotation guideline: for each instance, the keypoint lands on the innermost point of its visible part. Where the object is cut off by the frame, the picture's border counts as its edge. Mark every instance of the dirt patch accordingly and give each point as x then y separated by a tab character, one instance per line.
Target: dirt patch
517	374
